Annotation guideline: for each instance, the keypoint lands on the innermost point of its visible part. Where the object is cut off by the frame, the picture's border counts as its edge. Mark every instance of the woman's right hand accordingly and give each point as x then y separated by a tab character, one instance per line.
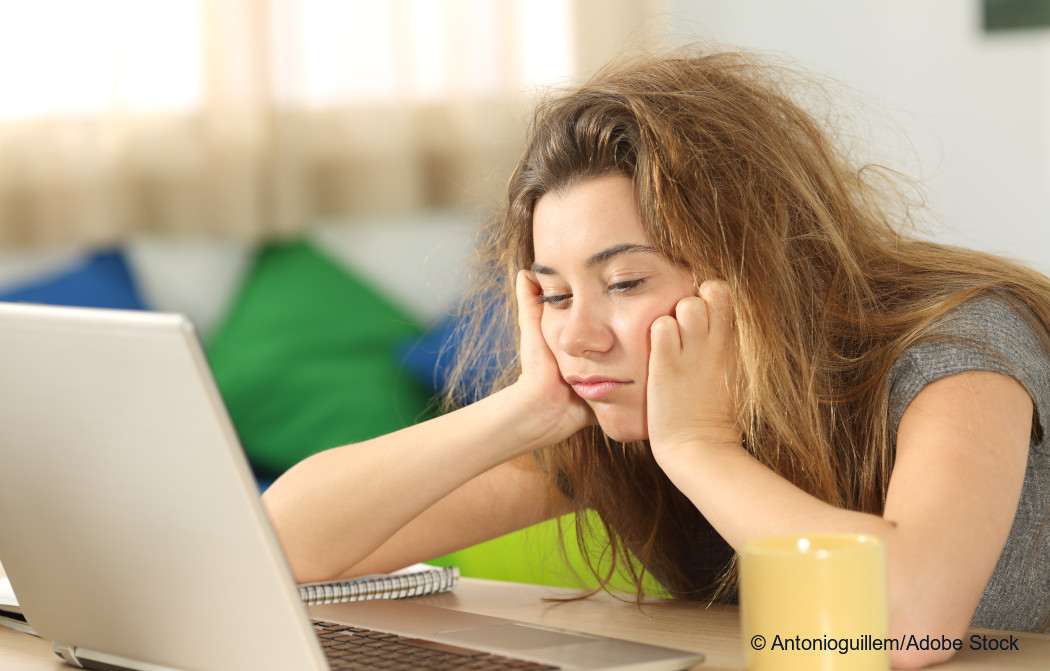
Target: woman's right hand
555	410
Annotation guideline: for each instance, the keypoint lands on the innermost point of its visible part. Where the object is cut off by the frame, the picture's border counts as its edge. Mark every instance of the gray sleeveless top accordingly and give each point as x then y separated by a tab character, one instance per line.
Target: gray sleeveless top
987	334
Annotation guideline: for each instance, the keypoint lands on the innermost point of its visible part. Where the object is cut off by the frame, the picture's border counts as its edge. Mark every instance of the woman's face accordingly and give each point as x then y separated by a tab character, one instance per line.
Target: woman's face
603	286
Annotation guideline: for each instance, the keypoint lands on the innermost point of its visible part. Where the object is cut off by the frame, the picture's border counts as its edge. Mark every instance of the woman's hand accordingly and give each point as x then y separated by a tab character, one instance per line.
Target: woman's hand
690	395
556	409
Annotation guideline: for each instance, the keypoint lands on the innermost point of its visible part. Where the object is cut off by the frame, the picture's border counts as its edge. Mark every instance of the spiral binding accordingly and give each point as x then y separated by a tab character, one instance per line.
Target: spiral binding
393	586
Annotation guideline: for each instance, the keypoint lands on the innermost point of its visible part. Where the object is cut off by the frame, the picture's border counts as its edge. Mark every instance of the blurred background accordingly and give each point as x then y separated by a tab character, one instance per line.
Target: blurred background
303	177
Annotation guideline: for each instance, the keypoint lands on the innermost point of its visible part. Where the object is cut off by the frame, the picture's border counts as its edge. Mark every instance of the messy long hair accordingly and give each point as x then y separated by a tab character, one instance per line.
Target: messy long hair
736	181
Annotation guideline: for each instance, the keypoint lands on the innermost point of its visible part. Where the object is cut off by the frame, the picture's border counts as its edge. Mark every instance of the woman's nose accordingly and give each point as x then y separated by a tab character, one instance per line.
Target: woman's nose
585	332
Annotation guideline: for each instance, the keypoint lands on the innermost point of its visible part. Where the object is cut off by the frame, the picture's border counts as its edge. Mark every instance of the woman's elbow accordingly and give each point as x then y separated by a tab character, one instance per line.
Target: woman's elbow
300	554
914	658
925	639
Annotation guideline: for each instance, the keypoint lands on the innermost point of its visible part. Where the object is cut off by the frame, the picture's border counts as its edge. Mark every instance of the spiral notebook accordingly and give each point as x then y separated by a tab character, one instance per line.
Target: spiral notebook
416	580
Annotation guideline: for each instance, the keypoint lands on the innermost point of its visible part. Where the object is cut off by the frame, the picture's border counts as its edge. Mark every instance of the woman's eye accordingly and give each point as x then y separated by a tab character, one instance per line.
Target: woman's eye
555	301
625	286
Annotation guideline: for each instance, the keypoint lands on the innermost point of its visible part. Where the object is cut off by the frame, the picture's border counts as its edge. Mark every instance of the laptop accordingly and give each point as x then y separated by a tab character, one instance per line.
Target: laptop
132	532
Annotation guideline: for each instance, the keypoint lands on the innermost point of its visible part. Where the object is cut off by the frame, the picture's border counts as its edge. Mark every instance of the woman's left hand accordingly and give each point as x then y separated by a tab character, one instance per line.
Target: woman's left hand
690	393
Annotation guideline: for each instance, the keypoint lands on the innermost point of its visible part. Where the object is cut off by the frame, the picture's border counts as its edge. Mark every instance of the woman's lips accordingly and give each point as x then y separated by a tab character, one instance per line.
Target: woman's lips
594	388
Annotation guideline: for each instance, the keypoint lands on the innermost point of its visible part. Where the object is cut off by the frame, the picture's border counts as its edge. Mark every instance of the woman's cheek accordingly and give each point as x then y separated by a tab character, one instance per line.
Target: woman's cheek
634	332
549	329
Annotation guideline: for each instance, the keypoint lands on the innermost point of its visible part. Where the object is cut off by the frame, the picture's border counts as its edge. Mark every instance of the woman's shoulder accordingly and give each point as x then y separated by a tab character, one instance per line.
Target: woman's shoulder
986	333
983	328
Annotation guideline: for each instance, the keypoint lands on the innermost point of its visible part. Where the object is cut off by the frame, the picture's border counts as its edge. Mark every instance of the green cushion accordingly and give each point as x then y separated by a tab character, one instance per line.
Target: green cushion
306	359
533	556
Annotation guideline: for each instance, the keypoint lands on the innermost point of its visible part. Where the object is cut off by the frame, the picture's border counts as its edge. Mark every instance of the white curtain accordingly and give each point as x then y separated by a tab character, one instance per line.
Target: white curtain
258	118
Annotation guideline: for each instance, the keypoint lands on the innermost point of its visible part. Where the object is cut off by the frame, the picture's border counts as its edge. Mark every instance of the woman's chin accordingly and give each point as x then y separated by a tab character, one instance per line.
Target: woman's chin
623	431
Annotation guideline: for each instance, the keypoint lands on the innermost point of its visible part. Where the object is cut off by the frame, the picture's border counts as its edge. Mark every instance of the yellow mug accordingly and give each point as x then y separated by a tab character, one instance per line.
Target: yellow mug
814	601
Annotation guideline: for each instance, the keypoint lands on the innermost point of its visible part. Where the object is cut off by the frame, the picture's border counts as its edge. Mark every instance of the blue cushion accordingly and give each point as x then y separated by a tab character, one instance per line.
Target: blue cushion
431	358
101	281
428	358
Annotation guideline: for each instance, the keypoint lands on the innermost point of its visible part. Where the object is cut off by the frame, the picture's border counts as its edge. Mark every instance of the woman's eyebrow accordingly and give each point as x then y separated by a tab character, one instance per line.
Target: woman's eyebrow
601	257
626	248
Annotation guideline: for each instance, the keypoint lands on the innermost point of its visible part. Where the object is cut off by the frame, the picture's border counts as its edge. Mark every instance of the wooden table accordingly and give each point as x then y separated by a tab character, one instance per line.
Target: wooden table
713	631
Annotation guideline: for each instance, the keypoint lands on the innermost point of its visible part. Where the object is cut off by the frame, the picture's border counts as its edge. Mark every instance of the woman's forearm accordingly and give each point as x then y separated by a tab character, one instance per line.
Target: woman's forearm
334	508
743	499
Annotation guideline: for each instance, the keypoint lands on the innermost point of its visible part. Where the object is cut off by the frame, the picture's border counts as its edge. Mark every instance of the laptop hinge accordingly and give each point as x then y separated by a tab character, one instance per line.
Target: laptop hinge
92	659
66	653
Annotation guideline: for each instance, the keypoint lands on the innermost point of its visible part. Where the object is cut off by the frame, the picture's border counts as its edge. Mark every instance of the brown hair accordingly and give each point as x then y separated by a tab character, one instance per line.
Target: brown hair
738	182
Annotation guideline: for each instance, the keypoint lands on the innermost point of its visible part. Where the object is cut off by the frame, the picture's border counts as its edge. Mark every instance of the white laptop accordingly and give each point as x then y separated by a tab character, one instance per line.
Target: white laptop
133	535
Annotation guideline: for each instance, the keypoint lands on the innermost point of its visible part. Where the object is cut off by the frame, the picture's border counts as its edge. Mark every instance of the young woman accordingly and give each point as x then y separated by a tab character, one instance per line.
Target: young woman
707	327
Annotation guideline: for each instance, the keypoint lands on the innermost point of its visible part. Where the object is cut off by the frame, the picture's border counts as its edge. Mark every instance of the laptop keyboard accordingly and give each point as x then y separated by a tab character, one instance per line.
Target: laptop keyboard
354	648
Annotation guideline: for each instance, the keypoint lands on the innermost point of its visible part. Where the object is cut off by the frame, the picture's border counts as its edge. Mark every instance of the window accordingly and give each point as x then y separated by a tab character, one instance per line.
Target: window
256	117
